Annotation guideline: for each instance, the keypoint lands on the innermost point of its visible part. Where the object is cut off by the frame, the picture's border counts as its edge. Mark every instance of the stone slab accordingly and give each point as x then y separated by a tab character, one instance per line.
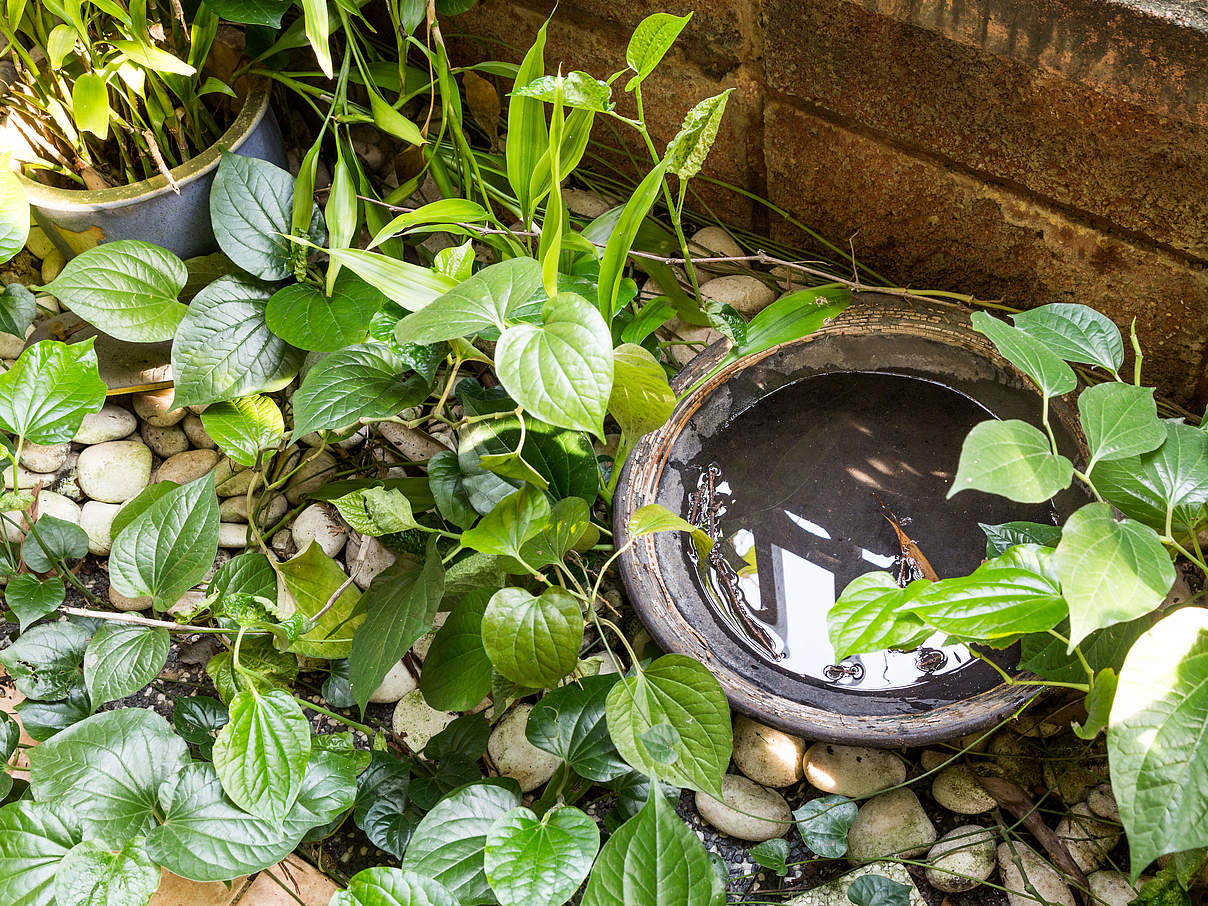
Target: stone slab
289	883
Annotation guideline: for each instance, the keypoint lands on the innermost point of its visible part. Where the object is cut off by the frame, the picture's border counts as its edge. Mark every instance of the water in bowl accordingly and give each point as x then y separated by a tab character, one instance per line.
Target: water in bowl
796	489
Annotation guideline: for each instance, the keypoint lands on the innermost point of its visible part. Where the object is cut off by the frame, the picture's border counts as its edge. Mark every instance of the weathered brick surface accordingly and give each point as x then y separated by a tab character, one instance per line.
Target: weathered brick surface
928	226
1150	52
1127	167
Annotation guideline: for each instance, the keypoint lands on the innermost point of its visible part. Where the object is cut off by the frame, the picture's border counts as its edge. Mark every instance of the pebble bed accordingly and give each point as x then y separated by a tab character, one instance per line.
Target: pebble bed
943	818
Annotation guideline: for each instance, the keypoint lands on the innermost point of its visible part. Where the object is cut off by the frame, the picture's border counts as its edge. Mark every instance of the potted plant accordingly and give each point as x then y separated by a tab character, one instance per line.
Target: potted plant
117	119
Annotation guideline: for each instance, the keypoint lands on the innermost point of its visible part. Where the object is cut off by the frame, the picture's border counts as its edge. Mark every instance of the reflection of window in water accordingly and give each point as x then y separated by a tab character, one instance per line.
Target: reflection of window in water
782	611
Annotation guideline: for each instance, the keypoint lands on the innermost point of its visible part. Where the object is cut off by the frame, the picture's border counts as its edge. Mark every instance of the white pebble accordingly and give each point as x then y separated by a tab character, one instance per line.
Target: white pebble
853	771
959	790
155	408
514	756
891	824
746	295
232	534
96	519
962	858
52	504
165	442
50	458
115	471
369	563
121	602
1111	888
1043	877
195	431
111	423
188	466
768	756
319	523
397	683
415	722
1088	838
747	811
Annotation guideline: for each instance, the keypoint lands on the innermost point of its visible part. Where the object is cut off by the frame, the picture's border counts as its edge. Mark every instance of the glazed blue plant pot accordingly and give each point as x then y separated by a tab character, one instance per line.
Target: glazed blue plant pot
150	210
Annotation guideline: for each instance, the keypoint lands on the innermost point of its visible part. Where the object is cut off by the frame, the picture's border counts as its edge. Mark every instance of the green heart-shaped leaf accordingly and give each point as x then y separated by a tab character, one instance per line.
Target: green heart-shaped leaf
560	371
1155	739
127	288
1119	420
533	641
1012	459
1111	572
224	349
31	598
304	317
540	860
1077	333
169	546
679	691
121	660
45	396
243	427
1031	356
261	753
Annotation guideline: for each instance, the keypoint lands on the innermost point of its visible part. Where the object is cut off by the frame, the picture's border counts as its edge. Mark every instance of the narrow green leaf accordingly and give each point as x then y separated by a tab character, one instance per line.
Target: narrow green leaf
526	129
650	42
687	151
406	284
90	104
400	606
620	241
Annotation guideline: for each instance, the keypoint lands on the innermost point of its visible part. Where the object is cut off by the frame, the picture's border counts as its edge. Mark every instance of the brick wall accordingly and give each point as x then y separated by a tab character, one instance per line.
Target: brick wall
1026	150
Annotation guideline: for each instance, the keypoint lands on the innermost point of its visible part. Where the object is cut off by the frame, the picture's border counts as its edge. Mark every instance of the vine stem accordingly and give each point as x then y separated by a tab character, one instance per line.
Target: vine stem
760	257
346	721
137	620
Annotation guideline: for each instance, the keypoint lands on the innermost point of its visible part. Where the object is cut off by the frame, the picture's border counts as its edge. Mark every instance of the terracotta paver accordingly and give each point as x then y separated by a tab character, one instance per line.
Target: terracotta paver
176	891
299	882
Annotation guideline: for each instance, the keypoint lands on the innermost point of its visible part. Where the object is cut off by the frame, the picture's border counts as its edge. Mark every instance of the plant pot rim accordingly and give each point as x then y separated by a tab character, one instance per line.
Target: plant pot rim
253	110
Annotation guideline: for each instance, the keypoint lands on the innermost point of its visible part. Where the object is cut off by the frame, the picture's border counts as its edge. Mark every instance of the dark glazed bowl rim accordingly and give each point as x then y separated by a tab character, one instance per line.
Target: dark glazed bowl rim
651	589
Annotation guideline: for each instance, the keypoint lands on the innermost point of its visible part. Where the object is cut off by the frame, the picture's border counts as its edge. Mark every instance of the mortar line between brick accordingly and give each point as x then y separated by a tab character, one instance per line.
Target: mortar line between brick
1081	216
